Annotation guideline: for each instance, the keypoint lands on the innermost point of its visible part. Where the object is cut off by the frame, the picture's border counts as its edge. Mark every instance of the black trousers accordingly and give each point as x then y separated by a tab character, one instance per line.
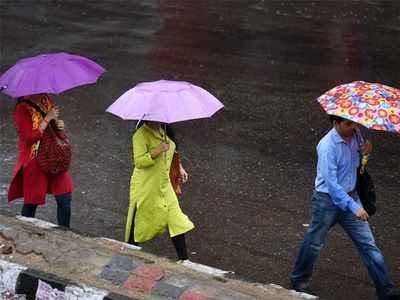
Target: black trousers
179	242
63	209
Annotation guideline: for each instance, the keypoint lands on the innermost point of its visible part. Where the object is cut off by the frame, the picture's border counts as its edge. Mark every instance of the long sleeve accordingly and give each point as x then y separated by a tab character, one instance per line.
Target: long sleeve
141	154
328	168
23	121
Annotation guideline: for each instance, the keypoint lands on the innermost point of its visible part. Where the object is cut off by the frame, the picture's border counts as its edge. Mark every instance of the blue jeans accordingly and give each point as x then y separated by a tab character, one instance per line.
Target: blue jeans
325	215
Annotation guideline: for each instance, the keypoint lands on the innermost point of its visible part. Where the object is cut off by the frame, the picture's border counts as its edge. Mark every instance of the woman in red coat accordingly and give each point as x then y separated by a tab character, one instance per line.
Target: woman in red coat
28	180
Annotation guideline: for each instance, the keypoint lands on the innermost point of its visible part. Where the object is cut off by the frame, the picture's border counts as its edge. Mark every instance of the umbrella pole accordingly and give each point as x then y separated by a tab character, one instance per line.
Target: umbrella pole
165	133
367	137
165	139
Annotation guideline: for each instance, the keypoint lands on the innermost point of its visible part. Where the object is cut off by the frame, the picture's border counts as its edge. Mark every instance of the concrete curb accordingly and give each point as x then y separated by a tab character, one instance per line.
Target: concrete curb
135	274
191	265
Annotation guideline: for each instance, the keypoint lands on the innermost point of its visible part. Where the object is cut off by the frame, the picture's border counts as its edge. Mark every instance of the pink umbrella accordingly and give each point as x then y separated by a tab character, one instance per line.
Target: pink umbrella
165	101
49	73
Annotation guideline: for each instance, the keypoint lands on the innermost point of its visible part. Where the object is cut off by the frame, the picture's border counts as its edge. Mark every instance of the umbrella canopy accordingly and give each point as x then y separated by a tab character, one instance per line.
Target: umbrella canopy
373	105
49	73
165	101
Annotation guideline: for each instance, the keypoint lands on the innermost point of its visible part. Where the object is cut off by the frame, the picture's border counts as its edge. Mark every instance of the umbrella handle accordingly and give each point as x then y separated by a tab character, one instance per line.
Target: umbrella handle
364	162
363	138
165	140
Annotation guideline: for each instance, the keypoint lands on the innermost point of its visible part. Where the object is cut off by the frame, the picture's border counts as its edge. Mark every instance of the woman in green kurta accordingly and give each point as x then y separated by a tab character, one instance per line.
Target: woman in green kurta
154	206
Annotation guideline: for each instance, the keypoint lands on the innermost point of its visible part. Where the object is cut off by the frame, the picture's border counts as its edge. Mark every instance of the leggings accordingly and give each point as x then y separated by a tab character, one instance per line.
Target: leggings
63	209
178	241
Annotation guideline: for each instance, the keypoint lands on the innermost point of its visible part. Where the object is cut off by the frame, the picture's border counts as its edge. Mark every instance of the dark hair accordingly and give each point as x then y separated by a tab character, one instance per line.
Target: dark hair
20	100
336	119
170	131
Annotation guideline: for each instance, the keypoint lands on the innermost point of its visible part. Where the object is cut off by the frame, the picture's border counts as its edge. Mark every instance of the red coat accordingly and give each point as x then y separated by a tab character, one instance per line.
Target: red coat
28	180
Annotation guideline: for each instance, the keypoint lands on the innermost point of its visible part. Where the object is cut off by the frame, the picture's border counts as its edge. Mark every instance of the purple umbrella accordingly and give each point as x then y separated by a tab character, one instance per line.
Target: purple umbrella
49	73
165	101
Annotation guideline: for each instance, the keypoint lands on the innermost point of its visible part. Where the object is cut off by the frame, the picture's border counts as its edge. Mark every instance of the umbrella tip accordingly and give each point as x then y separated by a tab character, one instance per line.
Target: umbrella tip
3	88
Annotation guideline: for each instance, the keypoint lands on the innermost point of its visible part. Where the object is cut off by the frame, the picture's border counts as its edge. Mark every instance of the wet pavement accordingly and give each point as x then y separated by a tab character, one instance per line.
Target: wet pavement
251	167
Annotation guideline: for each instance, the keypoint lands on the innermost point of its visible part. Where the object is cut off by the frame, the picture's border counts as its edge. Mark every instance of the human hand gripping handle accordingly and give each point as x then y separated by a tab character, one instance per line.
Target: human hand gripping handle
162	147
51	115
60	125
366	148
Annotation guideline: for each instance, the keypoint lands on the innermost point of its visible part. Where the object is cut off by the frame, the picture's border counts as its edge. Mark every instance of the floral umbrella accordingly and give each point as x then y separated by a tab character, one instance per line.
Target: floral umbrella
373	105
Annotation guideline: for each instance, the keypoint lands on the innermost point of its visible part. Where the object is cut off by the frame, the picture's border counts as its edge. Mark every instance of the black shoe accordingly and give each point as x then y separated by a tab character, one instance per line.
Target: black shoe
303	288
394	294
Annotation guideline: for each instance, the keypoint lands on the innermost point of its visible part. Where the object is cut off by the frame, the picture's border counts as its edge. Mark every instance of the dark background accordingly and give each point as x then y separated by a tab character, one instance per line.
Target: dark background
252	166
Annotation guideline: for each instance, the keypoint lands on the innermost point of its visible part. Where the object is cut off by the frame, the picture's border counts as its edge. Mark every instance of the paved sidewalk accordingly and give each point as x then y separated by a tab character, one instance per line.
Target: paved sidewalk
33	251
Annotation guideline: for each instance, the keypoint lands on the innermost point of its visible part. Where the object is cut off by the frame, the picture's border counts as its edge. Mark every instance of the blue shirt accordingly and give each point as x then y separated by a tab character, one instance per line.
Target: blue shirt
337	169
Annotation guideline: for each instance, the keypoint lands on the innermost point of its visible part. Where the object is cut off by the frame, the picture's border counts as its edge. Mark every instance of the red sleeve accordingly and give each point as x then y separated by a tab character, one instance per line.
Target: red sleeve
23	121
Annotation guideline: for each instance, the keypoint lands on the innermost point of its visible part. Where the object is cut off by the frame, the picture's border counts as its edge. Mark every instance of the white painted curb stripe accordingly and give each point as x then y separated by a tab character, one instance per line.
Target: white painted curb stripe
84	292
293	292
204	269
72	292
122	244
37	222
3	227
9	273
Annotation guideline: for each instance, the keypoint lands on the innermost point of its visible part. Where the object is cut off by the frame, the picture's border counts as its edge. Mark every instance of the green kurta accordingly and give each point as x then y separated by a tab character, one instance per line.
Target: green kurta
151	191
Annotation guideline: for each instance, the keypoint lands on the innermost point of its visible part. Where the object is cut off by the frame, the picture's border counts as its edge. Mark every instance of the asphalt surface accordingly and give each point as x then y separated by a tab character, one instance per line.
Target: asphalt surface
252	166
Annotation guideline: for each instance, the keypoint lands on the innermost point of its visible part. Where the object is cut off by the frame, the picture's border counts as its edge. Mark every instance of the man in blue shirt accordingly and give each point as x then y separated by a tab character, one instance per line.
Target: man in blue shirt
335	200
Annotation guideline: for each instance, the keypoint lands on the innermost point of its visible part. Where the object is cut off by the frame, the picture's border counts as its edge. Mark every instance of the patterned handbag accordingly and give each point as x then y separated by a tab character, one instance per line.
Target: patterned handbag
54	152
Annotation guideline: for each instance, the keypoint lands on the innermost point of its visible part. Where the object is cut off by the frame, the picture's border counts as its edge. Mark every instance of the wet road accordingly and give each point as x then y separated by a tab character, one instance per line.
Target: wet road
252	166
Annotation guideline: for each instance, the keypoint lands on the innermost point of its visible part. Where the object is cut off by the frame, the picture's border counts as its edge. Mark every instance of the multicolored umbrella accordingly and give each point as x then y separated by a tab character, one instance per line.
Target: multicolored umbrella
373	105
49	73
165	101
